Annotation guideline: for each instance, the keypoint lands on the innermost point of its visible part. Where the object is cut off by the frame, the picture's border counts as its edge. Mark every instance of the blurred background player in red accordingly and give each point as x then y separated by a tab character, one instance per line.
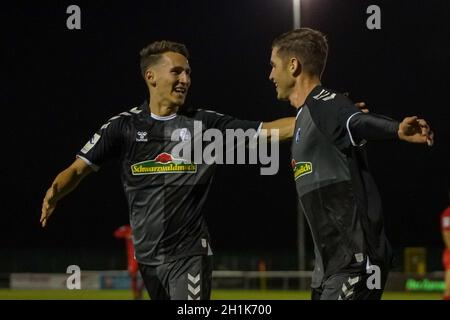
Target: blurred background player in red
445	227
124	232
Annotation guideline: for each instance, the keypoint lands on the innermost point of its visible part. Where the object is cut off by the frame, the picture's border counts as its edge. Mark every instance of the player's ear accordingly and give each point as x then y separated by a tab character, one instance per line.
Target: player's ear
150	77
295	67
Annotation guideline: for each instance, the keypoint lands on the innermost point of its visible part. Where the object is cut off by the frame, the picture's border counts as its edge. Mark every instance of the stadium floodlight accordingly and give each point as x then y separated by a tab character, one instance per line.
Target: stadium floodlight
297	13
296	10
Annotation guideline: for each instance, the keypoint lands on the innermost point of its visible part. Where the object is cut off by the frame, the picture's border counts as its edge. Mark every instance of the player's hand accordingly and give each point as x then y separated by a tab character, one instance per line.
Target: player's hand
48	205
415	130
362	106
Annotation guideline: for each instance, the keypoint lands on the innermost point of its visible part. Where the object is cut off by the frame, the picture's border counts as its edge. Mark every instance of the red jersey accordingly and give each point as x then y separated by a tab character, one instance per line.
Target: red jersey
445	226
124	232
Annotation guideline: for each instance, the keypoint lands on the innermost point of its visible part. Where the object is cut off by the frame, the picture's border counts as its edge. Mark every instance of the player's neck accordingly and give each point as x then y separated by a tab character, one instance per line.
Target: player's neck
302	88
162	109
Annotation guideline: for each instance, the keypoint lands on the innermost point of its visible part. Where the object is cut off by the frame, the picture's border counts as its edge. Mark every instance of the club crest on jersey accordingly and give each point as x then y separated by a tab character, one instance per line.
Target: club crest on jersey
185	135
141	136
163	163
297	135
301	168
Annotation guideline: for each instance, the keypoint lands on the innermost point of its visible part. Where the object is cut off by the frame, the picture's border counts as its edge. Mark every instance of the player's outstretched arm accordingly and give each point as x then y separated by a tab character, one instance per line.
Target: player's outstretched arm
66	181
285	127
415	130
371	126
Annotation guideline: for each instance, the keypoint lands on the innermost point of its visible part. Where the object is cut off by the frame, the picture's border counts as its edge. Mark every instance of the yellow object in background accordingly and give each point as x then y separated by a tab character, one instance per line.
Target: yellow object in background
415	260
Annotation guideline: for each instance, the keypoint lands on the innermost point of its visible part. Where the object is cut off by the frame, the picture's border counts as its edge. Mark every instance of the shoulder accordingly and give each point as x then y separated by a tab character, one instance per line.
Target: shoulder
209	118
327	99
200	113
123	118
329	106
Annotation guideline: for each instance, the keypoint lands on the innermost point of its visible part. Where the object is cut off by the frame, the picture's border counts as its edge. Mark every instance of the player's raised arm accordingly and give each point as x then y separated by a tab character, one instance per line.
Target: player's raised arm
66	181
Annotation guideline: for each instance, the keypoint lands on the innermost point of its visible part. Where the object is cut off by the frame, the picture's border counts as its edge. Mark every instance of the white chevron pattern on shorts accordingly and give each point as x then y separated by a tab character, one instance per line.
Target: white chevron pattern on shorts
353	281
194	290
193	286
192	279
348	288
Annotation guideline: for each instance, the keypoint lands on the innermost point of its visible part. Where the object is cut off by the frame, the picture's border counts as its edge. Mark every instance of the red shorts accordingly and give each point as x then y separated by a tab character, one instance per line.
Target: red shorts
446	259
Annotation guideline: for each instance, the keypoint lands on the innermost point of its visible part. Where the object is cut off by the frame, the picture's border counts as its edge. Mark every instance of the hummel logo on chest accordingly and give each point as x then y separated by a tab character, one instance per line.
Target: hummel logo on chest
141	136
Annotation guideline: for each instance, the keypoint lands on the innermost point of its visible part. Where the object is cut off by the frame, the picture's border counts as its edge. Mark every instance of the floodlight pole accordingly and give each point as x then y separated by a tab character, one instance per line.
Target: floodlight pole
297	13
296	6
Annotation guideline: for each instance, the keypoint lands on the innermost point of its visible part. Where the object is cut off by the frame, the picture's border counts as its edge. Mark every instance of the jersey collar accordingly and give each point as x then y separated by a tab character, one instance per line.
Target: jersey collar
147	111
160	118
313	92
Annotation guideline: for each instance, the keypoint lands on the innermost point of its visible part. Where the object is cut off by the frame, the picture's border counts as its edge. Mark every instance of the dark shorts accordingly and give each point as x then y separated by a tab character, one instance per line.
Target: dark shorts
183	279
351	286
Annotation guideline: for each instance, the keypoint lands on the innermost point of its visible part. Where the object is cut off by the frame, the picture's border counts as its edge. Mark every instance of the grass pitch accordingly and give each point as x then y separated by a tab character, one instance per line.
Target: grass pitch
216	295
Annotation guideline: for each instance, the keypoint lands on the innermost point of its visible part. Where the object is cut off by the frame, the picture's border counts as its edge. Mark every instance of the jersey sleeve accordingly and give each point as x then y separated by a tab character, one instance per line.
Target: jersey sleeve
346	125
371	126
105	144
332	117
212	119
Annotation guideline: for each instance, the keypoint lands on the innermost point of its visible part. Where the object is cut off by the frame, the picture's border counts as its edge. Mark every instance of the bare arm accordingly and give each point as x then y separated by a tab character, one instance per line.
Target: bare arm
66	181
284	125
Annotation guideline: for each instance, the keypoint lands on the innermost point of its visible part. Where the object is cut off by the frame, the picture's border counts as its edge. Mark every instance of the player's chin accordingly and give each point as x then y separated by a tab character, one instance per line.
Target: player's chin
281	96
179	101
278	94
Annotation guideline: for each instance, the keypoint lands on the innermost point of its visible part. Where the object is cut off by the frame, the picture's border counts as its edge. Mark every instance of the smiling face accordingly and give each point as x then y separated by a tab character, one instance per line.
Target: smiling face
169	79
280	76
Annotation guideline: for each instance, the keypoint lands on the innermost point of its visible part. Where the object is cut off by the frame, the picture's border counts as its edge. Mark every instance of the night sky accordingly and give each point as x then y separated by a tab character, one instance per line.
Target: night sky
59	86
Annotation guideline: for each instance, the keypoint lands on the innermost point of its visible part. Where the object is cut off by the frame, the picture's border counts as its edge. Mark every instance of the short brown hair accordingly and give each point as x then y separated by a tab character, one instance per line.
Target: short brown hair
151	54
308	45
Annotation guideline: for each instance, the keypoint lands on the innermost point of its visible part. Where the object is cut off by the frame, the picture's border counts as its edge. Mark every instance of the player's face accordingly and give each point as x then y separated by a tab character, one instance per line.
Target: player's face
172	78
280	76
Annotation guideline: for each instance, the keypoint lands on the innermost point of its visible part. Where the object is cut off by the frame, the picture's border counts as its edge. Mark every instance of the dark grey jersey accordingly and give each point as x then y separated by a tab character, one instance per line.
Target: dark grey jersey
165	193
334	187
